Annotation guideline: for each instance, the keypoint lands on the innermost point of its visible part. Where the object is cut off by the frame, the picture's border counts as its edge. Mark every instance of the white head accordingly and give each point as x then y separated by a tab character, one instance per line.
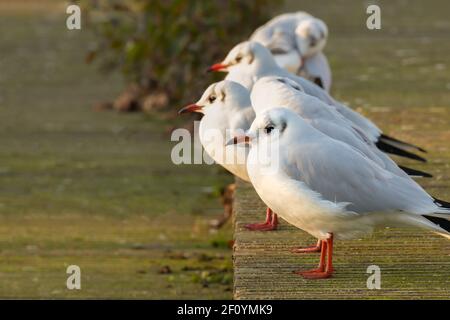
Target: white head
274	91
271	134
311	36
247	56
221	97
271	125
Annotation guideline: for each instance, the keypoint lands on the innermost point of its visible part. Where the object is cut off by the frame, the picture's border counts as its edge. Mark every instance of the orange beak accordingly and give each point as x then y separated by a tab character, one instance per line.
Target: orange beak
190	108
218	67
239	139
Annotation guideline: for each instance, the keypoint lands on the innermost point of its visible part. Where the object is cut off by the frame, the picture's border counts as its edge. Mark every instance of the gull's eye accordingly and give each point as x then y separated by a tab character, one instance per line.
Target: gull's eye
312	41
269	129
212	98
238	58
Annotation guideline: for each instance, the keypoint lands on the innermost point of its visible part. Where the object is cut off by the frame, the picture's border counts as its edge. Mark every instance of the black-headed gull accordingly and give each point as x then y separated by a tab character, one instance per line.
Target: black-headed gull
226	109
249	61
296	41
329	189
272	91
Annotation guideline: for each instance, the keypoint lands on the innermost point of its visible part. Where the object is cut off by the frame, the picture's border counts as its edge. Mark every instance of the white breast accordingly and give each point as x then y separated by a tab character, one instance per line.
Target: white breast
307	210
232	157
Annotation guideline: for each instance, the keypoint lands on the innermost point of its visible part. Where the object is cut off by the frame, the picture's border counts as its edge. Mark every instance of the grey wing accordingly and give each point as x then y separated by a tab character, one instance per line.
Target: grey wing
329	121
346	135
367	126
341	174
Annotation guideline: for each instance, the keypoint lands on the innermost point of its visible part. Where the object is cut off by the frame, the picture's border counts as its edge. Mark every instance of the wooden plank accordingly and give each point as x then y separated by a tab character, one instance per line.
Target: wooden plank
414	264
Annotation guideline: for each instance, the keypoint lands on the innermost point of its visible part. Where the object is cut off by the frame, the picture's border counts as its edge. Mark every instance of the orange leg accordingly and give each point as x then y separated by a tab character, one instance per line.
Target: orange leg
271	222
325	269
315	248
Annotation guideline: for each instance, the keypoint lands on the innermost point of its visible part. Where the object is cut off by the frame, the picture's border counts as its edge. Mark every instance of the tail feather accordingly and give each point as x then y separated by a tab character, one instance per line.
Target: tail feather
416	173
388	139
383	146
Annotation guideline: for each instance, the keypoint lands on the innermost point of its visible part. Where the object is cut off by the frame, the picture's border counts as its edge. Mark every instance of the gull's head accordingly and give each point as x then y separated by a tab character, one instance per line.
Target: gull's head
270	125
311	36
274	91
224	96
247	56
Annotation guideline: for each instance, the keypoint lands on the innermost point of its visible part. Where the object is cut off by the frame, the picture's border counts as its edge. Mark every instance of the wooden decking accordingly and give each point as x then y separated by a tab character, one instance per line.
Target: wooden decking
414	264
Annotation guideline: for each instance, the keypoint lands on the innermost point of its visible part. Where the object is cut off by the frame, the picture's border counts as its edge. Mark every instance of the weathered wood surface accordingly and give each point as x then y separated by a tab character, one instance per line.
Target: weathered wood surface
414	263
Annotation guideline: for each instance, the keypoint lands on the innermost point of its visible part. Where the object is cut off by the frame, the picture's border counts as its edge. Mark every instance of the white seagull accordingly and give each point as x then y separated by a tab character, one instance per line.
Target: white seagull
329	189
278	91
269	92
227	110
296	41
249	61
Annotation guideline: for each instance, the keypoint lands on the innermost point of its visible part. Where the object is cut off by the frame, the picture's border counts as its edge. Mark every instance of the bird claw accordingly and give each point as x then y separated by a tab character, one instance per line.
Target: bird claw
261	227
315	274
306	250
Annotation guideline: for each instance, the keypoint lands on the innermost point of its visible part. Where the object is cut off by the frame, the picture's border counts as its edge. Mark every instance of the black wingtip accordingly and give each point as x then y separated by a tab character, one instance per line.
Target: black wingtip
415	172
442	203
383	146
406	144
441	222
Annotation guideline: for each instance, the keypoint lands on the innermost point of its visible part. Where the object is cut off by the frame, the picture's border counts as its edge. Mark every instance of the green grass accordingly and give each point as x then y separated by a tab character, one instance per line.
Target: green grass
97	189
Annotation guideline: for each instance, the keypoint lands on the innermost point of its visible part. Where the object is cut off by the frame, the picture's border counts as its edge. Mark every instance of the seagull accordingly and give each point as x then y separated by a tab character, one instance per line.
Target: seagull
330	189
227	110
272	91
296	41
249	61
278	91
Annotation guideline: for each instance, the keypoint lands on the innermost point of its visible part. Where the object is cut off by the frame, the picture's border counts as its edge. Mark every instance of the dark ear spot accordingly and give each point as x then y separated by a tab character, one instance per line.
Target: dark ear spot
319	82
322	34
222	95
252	57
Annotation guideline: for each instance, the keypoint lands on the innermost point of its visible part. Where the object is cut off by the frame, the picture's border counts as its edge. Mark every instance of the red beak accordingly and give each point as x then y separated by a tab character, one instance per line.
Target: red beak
190	108
217	67
239	139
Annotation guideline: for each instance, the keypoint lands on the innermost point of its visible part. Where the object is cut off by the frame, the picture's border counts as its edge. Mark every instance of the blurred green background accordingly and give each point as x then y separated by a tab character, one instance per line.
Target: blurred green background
98	189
